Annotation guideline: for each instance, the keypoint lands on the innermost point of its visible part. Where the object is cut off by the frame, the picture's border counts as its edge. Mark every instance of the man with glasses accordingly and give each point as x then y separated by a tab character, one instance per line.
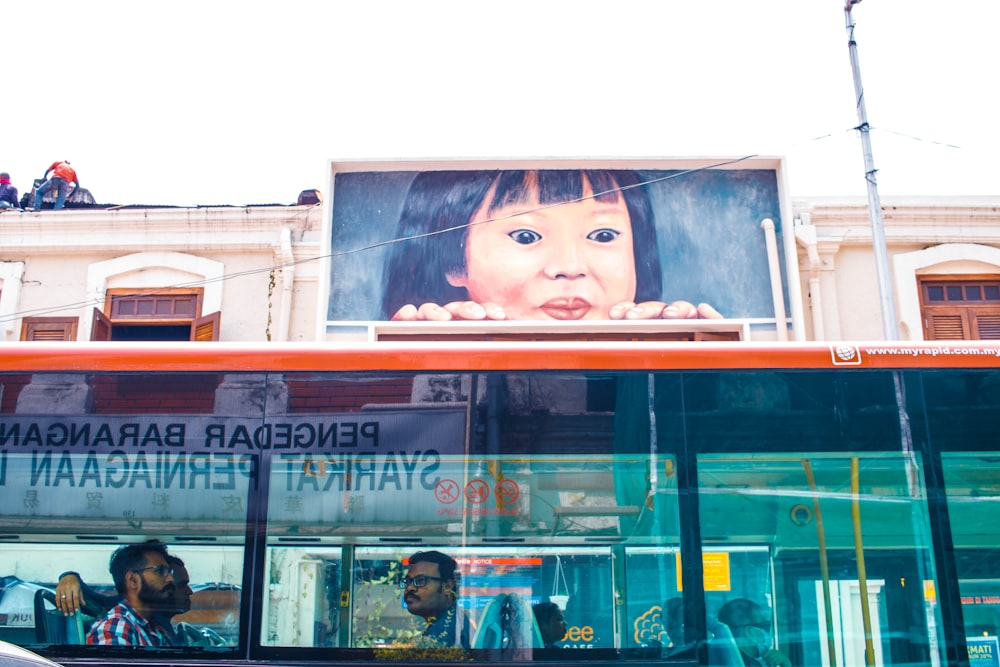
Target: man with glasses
72	593
145	581
430	590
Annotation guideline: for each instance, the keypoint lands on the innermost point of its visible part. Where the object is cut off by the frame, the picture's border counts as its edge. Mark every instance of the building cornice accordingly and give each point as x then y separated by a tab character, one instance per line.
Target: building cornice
174	229
915	220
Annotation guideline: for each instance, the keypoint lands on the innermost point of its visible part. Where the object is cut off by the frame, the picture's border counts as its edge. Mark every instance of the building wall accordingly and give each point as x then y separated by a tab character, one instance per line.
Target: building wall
925	236
62	264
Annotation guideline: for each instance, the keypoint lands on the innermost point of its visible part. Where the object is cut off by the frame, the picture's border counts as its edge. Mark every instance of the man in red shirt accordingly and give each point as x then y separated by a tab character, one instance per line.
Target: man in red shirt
62	175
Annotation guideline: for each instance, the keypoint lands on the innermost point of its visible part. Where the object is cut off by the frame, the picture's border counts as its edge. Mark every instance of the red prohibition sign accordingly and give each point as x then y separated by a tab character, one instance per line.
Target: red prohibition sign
507	491
446	491
477	491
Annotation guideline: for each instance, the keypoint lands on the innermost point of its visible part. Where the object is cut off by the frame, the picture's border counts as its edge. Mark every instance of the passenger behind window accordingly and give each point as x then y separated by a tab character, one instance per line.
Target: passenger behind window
751	628
146	584
72	592
430	590
551	623
673	622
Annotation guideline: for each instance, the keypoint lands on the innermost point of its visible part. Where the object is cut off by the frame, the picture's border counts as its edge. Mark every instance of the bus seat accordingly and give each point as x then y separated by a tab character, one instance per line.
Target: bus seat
722	648
507	622
489	634
52	626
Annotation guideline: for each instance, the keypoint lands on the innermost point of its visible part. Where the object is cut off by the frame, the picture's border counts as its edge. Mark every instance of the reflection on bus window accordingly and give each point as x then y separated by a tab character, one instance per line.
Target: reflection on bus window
803	509
70	511
972	482
427	500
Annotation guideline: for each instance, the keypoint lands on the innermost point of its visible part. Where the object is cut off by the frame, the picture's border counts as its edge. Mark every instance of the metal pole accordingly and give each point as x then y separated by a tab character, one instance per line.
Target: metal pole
890	327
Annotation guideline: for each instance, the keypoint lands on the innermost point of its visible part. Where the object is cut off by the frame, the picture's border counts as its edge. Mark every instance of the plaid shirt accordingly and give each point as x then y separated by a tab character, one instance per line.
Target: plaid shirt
123	626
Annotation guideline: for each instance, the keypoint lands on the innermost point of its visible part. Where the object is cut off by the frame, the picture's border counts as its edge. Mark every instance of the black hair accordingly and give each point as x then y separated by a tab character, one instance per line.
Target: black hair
131	557
738	612
447	566
440	204
544	611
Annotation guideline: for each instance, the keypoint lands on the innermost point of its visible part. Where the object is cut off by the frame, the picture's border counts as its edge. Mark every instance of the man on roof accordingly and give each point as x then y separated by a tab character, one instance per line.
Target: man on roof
62	175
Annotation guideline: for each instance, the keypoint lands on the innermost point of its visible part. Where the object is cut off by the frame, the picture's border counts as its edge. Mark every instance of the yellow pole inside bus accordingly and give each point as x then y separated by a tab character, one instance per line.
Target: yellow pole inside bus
859	551
824	567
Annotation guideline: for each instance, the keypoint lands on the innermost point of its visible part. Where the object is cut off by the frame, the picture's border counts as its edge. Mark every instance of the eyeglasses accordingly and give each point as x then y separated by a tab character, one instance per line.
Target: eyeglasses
418	581
162	570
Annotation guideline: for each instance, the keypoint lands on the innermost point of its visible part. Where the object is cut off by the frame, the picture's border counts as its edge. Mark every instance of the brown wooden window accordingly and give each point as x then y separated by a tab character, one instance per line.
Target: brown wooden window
154	315
49	328
166	305
961	309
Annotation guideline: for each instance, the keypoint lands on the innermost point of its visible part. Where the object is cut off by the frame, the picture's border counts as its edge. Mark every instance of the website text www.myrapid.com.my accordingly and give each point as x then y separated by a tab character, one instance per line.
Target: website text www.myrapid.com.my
933	351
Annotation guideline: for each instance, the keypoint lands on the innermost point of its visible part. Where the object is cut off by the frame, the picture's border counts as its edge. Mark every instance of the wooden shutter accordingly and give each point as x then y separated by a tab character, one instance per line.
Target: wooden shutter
960	307
206	327
947	324
49	328
101	328
986	325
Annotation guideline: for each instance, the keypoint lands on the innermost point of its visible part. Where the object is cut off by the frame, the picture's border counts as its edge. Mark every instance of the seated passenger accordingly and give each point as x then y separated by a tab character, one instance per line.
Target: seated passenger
146	583
673	622
551	623
430	590
71	591
751	629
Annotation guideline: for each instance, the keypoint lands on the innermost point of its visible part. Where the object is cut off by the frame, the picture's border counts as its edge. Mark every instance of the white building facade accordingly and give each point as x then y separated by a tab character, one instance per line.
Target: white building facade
258	274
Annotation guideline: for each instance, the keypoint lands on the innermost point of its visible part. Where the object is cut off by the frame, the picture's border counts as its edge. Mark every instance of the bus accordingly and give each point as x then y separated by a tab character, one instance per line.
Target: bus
708	503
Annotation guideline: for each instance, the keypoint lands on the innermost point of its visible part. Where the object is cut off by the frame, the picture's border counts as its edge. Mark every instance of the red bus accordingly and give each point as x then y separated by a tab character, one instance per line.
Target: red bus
688	503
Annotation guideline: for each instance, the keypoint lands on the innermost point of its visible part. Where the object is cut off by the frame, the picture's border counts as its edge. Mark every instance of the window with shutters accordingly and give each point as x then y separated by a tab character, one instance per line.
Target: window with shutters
49	328
961	309
154	315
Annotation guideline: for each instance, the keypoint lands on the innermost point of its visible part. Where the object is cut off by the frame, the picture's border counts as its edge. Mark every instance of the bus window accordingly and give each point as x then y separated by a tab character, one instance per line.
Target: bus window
80	483
571	519
541	491
582	575
653	582
783	527
972	482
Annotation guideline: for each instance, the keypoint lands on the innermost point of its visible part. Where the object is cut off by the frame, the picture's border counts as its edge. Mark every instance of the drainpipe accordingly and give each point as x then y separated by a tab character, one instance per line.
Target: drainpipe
286	261
806	235
777	295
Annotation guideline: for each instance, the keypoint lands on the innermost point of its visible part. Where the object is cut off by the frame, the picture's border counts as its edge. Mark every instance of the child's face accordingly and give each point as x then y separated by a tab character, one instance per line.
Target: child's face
571	261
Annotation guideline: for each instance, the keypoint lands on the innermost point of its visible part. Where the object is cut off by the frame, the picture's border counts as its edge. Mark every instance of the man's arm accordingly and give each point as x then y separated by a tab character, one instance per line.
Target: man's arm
72	593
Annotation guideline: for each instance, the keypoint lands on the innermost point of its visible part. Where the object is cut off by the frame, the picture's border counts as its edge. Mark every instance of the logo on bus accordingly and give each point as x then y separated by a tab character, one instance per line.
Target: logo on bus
845	355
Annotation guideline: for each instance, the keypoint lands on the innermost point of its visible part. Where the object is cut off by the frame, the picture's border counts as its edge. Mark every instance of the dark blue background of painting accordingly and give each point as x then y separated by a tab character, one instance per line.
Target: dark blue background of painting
708	225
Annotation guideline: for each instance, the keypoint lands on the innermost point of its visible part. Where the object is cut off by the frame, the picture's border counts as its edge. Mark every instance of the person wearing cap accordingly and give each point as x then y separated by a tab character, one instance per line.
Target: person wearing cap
62	175
8	193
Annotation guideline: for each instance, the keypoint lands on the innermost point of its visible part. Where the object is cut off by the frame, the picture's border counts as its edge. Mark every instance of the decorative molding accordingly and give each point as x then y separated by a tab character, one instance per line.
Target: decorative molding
187	268
906	267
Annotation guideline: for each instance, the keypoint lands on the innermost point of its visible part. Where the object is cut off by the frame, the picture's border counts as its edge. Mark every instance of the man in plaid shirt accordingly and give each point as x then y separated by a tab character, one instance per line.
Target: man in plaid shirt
145	581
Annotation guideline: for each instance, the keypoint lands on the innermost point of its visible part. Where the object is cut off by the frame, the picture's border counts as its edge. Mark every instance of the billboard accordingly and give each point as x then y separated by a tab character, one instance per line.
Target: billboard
553	240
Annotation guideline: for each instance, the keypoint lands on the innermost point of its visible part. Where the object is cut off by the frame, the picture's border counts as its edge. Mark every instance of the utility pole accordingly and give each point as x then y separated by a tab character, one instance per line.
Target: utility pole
890	327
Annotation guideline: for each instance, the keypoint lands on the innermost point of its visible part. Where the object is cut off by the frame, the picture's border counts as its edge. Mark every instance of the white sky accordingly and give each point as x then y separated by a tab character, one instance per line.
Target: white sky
218	102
